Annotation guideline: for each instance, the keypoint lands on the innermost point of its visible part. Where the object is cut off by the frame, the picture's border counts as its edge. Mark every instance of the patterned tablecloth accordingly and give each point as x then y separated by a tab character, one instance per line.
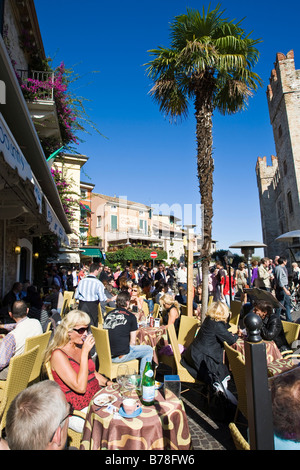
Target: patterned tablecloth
162	426
276	363
157	337
272	350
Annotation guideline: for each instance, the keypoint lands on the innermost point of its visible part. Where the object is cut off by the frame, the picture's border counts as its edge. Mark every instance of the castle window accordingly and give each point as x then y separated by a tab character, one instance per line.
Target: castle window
290	202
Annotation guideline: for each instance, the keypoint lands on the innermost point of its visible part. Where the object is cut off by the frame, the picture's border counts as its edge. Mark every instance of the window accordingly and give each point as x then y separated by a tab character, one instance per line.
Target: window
114	223
83	193
99	221
290	202
143	226
113	208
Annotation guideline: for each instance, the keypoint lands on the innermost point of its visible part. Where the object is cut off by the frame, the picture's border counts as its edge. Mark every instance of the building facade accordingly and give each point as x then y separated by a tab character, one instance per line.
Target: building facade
278	183
30	205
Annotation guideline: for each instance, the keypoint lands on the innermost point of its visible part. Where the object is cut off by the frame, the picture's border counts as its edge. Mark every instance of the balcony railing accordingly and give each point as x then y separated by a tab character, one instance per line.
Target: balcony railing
39	83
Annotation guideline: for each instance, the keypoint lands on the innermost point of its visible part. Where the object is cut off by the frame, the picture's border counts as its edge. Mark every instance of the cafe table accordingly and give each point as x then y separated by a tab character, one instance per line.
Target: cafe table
162	426
157	337
272	351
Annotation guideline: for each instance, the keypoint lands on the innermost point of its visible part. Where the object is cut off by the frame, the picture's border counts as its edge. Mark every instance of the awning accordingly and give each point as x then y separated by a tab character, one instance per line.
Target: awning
85	207
15	159
91	252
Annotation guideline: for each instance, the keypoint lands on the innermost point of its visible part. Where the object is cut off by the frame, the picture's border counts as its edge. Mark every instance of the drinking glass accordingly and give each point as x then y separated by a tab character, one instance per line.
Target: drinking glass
122	373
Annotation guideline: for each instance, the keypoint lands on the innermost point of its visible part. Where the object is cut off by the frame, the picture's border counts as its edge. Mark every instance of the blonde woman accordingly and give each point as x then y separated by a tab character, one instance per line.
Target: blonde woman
170	311
136	300
71	364
204	357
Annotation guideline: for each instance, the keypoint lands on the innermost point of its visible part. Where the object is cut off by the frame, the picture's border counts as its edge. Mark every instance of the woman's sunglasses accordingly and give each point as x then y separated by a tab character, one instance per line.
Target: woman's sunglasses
80	331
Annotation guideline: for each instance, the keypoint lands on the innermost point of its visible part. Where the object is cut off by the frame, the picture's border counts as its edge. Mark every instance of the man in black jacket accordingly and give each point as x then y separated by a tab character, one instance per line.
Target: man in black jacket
272	329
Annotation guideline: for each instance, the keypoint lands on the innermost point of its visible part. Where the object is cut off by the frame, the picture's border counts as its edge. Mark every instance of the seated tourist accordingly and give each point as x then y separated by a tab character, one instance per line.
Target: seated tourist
71	364
122	325
37	418
285	391
272	329
170	311
204	357
13	343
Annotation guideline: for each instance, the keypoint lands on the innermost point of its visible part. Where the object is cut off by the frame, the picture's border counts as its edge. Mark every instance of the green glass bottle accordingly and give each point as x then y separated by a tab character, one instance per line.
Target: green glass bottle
148	385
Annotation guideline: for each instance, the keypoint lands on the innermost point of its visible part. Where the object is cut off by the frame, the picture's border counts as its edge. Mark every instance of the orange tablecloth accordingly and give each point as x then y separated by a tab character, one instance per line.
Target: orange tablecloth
157	337
162	426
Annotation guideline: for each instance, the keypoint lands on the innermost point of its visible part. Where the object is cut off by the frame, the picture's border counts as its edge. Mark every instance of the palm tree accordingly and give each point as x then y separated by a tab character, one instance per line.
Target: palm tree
210	61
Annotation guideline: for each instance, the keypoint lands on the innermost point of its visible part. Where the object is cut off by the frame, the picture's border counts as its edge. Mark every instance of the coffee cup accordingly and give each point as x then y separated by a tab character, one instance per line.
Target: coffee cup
130	405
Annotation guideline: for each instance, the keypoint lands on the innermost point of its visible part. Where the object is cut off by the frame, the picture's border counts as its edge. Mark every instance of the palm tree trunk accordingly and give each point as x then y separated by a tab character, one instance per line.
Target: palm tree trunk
205	167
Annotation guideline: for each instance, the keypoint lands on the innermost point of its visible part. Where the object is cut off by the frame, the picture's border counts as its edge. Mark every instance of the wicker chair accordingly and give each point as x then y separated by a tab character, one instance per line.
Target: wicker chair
174	362
106	366
183	309
291	331
41	341
74	437
156	310
238	439
187	330
237	367
19	372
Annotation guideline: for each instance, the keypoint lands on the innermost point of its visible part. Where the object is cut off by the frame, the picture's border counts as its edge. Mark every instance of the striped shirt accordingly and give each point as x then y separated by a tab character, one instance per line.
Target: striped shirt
90	289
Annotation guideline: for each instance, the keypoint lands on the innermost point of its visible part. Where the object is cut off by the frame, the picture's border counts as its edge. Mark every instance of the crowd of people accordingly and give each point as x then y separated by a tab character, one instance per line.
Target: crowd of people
71	352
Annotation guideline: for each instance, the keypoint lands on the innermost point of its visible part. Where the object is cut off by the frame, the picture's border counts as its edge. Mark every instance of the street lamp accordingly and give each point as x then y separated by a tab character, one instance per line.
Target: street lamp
247	249
228	257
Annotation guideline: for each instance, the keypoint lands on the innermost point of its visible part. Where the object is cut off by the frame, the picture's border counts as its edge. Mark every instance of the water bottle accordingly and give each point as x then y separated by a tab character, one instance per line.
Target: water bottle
148	385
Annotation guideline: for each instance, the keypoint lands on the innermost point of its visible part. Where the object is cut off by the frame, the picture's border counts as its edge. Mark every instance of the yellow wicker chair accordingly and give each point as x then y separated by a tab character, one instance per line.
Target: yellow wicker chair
68	296
19	371
106	366
100	315
238	439
237	367
291	331
183	309
156	310
174	361
187	330
146	309
235	309
74	438
41	341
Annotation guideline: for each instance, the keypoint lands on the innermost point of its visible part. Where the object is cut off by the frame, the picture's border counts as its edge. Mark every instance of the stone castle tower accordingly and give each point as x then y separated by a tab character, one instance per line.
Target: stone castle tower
279	183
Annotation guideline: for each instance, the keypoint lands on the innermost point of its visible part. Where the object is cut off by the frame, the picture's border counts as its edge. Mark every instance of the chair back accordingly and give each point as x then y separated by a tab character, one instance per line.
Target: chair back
238	439
291	331
156	309
235	307
146	309
19	371
100	315
187	330
108	309
237	367
102	344
65	308
41	341
69	295
183	373
183	309
49	370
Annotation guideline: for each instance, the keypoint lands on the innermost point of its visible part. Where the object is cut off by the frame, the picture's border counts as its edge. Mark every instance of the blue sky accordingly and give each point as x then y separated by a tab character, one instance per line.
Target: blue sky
144	157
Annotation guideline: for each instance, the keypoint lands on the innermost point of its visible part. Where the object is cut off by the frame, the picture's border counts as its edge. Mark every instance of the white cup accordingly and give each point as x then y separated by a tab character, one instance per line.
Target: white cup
130	405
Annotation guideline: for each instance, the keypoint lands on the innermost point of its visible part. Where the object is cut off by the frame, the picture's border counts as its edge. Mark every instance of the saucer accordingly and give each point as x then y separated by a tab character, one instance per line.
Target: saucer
133	415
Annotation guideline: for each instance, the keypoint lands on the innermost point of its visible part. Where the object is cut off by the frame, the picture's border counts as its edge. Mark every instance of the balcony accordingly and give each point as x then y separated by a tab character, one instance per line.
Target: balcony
37	87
